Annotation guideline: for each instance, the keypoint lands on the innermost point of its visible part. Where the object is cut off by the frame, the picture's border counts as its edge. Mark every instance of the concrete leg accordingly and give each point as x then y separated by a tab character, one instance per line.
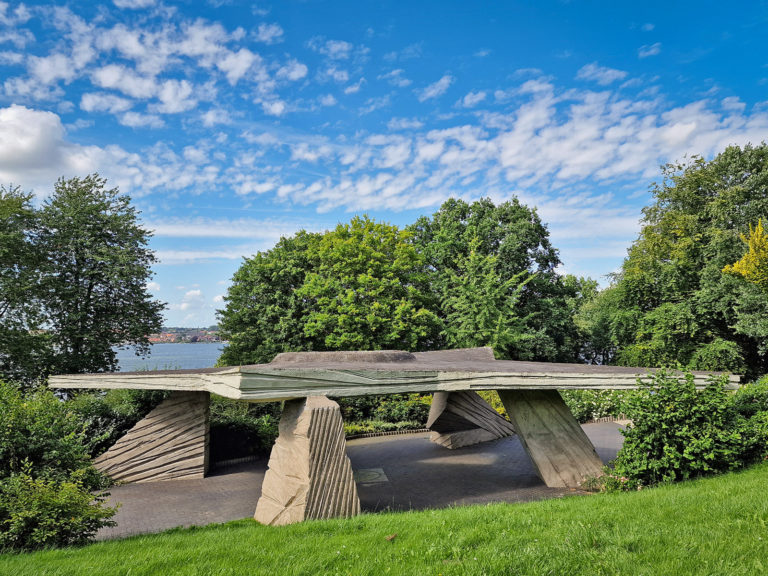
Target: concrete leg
459	419
309	474
170	443
559	448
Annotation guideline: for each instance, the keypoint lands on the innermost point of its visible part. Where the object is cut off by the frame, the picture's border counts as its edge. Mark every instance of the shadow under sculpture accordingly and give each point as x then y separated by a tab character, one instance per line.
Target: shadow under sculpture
309	474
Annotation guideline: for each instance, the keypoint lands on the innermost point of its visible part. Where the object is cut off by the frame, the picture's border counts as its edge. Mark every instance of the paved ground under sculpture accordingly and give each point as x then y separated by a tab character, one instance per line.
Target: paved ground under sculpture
309	474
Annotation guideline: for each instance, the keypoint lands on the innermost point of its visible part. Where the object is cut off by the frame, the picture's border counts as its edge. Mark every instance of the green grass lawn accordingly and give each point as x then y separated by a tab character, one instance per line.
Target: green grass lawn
715	526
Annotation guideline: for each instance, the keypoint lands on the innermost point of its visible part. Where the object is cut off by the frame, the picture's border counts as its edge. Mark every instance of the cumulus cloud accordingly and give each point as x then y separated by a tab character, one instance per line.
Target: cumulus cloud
437	89
236	64
293	70
600	74
269	33
104	102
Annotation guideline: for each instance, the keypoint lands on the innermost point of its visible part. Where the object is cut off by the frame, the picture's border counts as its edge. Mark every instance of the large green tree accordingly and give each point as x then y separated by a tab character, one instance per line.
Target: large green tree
471	274
539	323
94	275
368	290
23	346
671	303
263	314
361	286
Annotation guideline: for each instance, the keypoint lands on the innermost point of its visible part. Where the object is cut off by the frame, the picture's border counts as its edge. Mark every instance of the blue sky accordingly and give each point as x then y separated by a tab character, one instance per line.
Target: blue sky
233	123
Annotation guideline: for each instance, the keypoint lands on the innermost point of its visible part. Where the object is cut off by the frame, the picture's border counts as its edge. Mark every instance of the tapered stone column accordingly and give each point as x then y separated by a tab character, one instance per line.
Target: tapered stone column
309	474
169	443
459	419
559	448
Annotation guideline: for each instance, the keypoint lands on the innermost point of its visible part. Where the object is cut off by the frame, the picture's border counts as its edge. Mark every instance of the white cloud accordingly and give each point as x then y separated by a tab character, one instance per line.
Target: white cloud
649	50
336	74
354	88
139	120
404	124
236	64
265	231
333	49
175	96
118	77
293	70
647	27
408	53
269	33
472	99
8	58
215	117
133	4
103	102
436	89
274	107
396	78
327	100
19	38
600	74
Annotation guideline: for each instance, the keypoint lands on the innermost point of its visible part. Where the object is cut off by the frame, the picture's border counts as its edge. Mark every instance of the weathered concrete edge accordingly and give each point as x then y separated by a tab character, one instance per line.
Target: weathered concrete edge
274	384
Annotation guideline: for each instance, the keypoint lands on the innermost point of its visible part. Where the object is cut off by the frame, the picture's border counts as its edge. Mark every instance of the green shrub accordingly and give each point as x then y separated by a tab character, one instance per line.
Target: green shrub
374	426
38	430
42	513
108	415
241	429
752	398
589	405
679	432
46	475
404	408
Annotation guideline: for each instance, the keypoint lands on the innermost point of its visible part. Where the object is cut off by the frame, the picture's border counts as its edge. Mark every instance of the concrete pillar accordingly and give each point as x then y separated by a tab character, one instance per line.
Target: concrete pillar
459	419
309	474
559	448
169	443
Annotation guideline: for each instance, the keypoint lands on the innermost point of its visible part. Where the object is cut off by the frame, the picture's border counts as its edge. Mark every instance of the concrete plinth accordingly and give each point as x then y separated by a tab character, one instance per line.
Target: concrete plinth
309	474
169	443
459	419
556	443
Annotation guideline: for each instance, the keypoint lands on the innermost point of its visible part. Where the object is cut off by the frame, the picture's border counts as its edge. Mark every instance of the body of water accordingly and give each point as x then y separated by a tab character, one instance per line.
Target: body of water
166	356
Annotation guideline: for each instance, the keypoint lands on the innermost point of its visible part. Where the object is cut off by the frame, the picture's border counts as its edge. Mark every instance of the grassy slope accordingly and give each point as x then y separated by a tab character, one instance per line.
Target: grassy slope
715	526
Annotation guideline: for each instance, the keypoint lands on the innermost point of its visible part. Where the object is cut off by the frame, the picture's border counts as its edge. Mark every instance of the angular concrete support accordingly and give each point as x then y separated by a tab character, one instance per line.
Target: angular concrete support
170	443
309	474
463	418
559	448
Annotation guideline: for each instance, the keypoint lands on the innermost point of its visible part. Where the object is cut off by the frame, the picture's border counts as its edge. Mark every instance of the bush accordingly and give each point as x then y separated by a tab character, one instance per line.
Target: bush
589	405
46	476
752	398
404	408
107	416
241	429
373	426
38	430
679	432
40	513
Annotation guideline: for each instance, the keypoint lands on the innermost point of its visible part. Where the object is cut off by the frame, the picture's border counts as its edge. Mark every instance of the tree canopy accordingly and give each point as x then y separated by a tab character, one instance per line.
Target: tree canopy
508	244
471	275
671	304
753	266
83	265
